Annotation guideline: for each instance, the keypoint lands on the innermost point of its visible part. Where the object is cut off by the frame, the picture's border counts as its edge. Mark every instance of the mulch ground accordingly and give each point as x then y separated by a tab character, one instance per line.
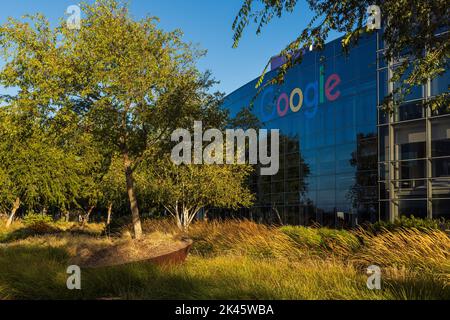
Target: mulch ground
159	251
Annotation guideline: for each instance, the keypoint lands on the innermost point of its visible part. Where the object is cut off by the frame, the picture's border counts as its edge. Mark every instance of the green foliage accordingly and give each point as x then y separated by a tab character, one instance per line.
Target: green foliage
413	33
411	222
184	190
34	225
34	218
37	169
92	104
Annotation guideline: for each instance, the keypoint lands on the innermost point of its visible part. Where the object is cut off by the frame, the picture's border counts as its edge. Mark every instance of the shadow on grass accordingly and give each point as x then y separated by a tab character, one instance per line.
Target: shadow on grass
35	272
425	287
32	272
42	230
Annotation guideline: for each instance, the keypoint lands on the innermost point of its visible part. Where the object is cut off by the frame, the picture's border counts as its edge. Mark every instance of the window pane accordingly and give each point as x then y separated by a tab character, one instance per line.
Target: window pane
441	167
409	111
416	208
383	85
440	84
412	151
441	188
384	143
410	141
384	192
441	209
411	189
414	169
440	136
383	171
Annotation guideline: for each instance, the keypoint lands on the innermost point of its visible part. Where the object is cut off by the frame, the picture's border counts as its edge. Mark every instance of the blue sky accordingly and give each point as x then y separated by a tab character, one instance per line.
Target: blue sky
204	22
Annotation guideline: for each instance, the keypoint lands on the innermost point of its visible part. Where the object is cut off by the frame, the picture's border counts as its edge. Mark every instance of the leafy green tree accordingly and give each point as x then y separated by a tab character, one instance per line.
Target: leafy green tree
35	170
184	190
129	82
113	188
94	159
416	31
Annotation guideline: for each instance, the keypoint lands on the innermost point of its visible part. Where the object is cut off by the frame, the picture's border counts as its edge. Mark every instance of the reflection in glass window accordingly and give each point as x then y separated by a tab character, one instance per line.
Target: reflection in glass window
440	137
441	187
383	88
440	84
416	208
441	167
384	190
410	141
383	171
414	169
384	143
409	111
441	209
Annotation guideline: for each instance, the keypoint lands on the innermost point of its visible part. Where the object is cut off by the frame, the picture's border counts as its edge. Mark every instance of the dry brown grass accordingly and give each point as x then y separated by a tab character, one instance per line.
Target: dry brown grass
424	251
242	260
427	251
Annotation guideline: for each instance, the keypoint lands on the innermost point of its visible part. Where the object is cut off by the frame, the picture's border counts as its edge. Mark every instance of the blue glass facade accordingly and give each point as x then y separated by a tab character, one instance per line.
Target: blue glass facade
343	161
327	115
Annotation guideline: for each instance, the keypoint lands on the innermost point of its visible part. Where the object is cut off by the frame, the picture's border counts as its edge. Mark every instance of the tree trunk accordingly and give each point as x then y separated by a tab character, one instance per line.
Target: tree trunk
132	198
16	206
185	220
108	220
274	208
88	214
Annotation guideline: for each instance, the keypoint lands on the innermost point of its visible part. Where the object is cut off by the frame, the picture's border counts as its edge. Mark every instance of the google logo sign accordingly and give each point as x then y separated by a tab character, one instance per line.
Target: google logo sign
313	95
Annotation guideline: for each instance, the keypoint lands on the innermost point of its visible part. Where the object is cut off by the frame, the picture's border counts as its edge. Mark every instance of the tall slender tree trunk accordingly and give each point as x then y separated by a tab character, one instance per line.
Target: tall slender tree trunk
88	214
132	197
108	220
16	206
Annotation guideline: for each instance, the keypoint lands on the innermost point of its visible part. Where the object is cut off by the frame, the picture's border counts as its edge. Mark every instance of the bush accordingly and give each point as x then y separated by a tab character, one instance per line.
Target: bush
35	219
36	225
412	222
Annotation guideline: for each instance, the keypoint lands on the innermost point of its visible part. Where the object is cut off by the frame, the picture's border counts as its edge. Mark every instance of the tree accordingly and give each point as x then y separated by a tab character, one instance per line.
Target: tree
127	80
113	188
34	169
416	32
94	158
184	190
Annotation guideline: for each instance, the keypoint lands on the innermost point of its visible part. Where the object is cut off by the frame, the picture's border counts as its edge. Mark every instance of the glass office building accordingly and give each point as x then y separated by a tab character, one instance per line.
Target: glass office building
342	161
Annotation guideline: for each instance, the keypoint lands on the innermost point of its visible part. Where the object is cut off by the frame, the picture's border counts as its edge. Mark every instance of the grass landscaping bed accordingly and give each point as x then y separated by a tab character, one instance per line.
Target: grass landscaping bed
238	260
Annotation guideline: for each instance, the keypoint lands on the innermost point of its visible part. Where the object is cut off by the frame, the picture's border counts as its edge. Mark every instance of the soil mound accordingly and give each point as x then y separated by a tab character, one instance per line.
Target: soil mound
160	251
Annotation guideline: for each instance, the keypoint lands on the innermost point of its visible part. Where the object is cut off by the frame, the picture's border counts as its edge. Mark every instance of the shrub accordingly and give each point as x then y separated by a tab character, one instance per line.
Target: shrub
35	219
411	222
